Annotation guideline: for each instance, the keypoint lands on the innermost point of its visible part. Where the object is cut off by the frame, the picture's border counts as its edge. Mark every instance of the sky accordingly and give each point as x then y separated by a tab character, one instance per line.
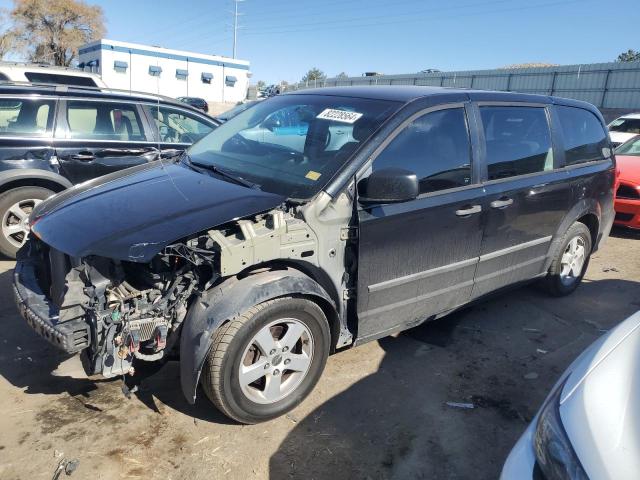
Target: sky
284	38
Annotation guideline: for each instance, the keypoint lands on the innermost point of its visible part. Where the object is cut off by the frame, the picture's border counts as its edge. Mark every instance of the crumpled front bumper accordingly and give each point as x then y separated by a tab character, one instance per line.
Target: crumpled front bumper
40	313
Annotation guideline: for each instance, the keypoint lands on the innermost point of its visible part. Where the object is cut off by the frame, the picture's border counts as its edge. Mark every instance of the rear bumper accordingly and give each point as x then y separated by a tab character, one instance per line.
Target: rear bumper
627	212
40	313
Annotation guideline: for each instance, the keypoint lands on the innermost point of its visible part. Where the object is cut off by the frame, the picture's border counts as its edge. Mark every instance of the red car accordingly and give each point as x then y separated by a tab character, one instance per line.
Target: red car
627	204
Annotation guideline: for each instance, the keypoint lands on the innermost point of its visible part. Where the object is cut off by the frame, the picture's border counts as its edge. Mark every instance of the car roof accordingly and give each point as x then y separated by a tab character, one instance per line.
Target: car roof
407	93
18	88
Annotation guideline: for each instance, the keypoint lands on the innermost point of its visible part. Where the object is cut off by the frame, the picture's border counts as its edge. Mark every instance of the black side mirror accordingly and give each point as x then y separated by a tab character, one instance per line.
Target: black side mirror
389	185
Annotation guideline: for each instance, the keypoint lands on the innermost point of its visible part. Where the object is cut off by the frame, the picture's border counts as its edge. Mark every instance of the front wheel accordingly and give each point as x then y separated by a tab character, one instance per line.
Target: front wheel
15	207
263	363
571	261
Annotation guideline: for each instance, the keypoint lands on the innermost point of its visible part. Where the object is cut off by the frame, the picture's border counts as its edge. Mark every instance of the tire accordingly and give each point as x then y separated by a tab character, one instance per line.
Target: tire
558	282
12	228
235	346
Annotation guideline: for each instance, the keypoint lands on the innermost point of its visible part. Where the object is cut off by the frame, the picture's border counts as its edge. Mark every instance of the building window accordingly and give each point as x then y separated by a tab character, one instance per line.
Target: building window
155	71
230	80
120	67
181	74
207	77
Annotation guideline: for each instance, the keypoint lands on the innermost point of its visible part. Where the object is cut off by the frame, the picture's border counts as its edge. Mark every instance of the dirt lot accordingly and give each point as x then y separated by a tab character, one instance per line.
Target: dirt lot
378	412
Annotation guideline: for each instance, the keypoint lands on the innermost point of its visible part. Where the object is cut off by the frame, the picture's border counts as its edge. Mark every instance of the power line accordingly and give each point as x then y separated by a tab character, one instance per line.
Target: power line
331	25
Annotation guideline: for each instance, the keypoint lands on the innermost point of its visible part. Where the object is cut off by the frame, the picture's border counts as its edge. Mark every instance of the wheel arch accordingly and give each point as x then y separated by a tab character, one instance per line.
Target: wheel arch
33	178
587	212
229	299
592	222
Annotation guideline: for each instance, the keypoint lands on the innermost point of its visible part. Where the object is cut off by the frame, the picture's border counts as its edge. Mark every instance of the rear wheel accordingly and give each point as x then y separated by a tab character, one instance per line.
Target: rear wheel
265	362
571	261
15	207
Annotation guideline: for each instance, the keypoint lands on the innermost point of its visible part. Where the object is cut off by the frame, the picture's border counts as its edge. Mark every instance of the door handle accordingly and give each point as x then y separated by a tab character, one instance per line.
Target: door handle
83	156
465	212
501	202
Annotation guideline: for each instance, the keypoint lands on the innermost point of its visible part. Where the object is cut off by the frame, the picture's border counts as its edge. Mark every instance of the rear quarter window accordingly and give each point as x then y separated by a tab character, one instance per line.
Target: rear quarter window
584	136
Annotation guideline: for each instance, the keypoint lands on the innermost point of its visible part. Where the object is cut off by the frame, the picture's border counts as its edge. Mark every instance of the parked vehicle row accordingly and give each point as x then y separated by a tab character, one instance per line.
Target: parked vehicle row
57	136
311	222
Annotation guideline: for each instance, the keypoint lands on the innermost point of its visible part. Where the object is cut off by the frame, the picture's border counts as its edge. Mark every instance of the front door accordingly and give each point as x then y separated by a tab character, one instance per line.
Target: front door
94	138
418	258
527	195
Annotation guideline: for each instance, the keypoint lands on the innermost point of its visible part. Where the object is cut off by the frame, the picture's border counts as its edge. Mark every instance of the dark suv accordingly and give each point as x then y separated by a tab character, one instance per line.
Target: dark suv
315	221
55	136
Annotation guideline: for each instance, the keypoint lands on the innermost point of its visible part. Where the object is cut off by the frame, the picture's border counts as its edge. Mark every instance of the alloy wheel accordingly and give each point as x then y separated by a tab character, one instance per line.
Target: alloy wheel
15	221
572	260
276	361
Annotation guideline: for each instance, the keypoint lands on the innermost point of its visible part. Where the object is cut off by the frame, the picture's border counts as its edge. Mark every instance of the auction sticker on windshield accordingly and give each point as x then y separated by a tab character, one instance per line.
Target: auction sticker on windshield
339	115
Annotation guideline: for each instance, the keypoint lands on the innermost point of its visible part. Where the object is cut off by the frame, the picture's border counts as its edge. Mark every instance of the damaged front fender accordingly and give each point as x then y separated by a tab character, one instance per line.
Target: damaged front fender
227	300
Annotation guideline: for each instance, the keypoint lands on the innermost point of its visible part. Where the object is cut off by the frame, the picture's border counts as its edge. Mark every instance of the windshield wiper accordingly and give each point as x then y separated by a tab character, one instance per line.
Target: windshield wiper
223	173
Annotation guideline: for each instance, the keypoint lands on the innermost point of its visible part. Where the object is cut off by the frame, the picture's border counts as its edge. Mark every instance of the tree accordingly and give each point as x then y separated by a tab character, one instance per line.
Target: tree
9	41
261	85
629	56
54	30
314	75
342	75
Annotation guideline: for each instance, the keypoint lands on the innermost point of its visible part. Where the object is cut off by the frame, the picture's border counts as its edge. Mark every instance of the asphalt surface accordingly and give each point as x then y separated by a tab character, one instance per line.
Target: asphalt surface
380	411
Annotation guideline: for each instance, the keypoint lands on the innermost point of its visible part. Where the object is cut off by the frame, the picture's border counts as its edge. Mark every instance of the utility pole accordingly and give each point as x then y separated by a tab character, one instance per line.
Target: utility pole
235	26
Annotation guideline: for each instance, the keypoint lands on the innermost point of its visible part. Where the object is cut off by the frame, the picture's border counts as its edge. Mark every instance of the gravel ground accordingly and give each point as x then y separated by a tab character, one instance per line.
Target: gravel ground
378	412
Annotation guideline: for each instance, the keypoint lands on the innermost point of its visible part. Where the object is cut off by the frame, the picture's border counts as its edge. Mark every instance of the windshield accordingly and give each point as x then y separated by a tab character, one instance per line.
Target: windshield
626	125
292	145
632	147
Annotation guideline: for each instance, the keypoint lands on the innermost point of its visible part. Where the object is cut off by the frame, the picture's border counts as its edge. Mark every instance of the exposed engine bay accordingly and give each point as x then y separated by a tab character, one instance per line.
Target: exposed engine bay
124	312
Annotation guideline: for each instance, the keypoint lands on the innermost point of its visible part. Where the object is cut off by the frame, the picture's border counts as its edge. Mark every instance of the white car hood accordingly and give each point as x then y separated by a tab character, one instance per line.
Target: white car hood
600	404
621	137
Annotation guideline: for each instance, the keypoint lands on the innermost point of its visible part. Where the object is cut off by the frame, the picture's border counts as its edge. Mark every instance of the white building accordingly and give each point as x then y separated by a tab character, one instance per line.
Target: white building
174	73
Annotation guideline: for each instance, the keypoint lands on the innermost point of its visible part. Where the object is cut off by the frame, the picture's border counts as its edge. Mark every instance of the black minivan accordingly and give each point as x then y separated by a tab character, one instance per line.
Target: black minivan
54	136
312	222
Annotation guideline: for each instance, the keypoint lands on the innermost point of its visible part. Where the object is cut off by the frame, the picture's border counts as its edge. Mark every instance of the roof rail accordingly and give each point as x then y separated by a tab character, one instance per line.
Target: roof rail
4	63
65	88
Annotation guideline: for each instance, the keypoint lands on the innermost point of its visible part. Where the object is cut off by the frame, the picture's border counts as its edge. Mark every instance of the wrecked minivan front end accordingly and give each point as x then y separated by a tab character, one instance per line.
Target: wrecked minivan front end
117	312
110	310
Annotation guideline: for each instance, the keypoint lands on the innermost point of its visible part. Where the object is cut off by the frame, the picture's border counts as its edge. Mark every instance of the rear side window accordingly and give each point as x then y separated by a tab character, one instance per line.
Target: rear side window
41	77
26	117
518	141
435	147
104	121
3	77
583	134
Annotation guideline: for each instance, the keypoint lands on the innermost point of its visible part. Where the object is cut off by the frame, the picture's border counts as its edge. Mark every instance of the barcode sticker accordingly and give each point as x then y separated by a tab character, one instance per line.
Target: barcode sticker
343	116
